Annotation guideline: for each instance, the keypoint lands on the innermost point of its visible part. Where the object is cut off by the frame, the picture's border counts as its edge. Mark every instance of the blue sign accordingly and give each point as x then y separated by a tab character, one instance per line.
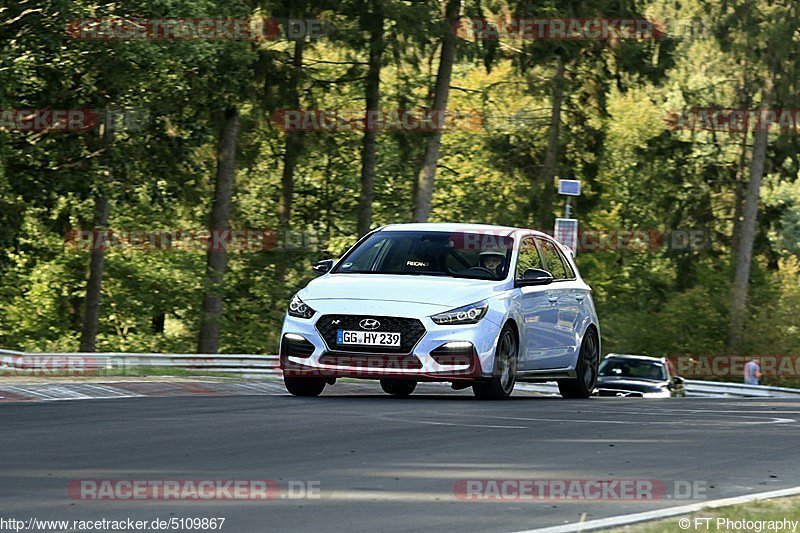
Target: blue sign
569	187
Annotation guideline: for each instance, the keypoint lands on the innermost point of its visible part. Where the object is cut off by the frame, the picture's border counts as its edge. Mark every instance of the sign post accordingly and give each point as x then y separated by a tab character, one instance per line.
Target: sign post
566	230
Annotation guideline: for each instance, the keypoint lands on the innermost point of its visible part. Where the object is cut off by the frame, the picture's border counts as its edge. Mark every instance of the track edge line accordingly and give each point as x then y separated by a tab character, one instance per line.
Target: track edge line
657	514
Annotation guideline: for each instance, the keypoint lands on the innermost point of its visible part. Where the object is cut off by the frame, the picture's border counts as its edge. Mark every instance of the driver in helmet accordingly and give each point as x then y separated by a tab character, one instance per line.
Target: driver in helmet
494	261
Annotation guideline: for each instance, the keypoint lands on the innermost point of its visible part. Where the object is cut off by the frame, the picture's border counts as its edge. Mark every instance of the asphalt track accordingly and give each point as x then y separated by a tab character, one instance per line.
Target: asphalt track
386	464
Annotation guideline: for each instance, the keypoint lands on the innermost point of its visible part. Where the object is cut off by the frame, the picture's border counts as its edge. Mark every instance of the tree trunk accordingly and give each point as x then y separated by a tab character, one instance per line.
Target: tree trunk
427	175
748	228
97	255
97	259
373	97
738	195
741	166
294	139
158	321
217	256
544	203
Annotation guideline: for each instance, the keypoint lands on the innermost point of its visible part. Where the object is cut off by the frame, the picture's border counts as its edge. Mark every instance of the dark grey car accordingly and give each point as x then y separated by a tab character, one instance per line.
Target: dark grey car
637	376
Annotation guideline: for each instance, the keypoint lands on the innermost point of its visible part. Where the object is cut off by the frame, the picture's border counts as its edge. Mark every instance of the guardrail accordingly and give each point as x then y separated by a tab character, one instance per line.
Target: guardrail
722	388
86	363
70	363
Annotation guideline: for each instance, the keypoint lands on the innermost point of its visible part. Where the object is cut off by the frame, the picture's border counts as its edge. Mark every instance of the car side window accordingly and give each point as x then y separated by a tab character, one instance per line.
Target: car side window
552	259
528	257
568	266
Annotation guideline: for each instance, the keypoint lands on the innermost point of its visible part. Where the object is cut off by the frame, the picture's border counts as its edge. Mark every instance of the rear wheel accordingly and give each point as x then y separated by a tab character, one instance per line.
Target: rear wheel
586	369
402	388
304	386
504	373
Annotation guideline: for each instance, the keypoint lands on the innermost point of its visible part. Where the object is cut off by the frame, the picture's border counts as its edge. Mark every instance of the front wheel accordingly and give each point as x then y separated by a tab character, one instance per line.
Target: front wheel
400	388
504	373
304	386
586	370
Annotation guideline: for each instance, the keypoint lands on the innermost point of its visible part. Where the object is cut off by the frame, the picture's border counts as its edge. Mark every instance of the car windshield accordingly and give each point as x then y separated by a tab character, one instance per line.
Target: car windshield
431	253
631	368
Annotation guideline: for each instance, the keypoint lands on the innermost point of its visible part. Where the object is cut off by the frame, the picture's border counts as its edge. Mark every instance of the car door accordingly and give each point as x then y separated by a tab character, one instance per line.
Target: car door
539	314
565	306
578	303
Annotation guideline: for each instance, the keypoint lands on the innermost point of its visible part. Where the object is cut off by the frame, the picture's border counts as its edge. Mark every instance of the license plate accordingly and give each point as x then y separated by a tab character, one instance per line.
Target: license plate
368	338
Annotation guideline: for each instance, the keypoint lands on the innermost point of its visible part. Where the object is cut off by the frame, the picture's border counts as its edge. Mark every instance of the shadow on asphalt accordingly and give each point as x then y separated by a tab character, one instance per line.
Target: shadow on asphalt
430	397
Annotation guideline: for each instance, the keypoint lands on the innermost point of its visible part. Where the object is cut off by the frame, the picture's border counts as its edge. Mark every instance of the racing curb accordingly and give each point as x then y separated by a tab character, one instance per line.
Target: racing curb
624	520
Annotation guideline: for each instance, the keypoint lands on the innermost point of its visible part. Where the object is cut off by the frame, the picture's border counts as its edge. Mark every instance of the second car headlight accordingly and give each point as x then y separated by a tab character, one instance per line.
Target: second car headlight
469	314
298	308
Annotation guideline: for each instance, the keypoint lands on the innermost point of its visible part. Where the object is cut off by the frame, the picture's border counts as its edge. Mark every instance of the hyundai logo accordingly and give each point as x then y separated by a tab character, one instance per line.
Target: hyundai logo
369	323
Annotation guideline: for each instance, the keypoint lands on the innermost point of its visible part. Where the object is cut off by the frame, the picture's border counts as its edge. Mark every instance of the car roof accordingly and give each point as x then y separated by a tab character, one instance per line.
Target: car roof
458	227
634	357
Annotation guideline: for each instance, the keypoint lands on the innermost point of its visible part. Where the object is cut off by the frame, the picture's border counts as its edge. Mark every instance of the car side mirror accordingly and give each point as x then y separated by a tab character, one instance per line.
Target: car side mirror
534	276
323	267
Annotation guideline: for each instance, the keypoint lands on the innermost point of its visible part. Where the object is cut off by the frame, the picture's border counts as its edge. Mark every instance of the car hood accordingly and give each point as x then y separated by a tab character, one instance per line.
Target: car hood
631	384
432	290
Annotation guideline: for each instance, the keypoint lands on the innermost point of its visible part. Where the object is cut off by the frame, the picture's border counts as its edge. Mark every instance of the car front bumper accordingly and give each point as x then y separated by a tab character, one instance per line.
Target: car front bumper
427	360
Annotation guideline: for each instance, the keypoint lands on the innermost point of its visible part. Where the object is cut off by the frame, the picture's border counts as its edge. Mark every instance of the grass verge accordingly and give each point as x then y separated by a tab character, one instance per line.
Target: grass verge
753	517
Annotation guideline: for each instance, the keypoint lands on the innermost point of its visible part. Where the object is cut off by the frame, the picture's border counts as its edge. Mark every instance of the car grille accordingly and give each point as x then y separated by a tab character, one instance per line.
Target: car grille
411	331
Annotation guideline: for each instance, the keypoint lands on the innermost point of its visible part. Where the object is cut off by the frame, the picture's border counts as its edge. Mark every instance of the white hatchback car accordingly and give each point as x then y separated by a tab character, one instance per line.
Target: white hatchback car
475	305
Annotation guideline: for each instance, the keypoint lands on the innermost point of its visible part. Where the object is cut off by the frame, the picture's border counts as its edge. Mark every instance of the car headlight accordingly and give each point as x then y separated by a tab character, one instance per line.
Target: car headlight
469	314
659	394
299	309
